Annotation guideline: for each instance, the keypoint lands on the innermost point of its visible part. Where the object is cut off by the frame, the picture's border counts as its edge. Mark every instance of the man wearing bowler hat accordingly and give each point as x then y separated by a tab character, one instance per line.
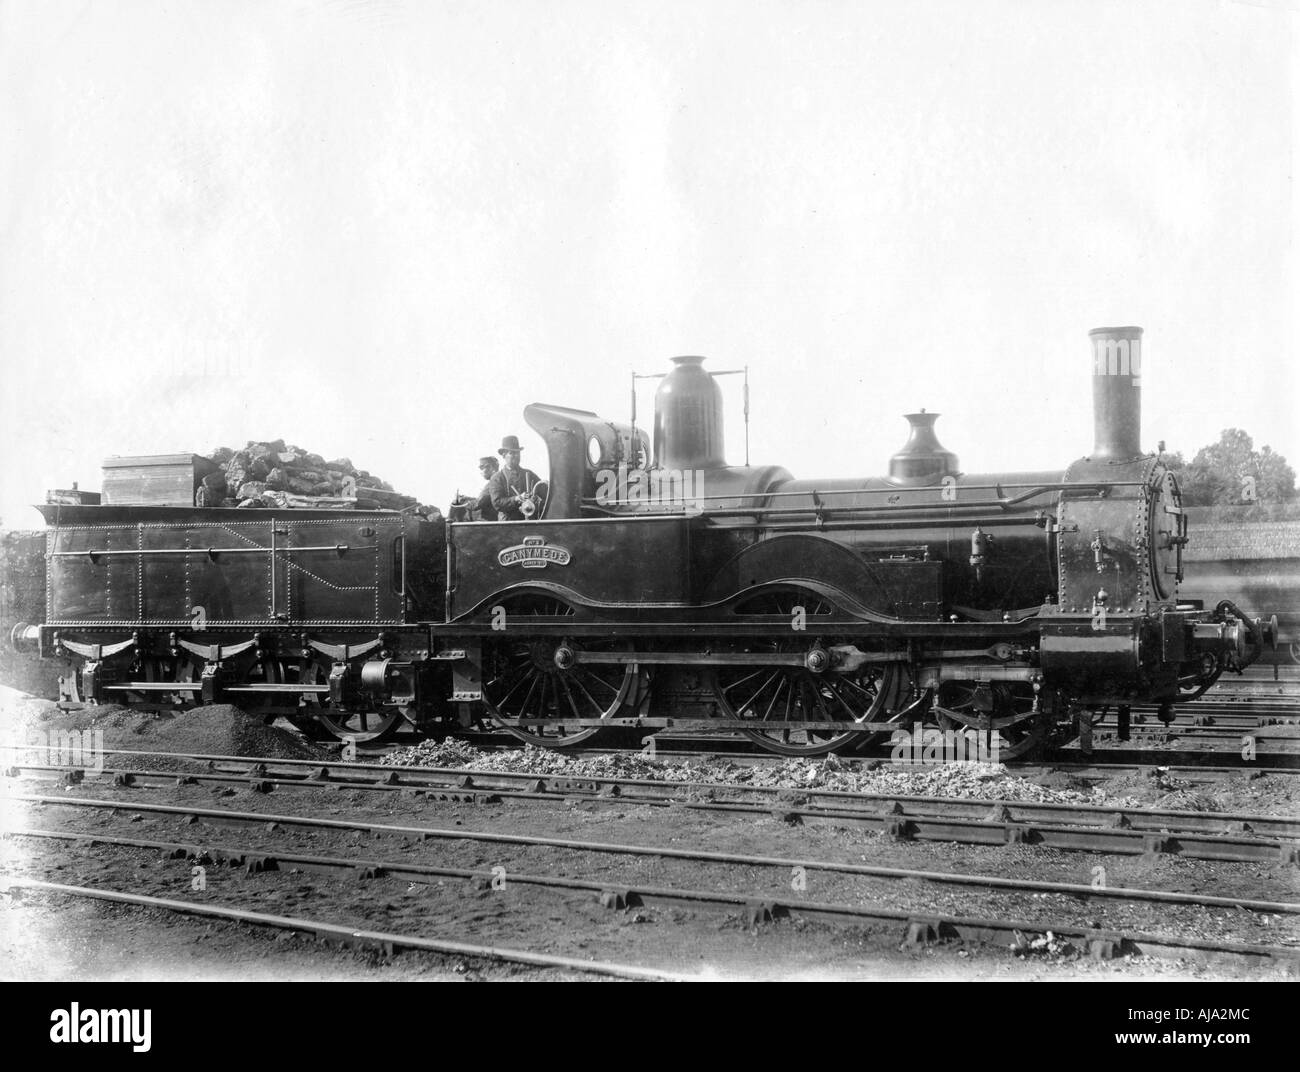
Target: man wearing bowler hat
513	483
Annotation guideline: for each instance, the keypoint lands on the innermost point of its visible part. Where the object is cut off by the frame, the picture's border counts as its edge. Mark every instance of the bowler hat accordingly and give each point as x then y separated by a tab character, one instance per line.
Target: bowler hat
509	443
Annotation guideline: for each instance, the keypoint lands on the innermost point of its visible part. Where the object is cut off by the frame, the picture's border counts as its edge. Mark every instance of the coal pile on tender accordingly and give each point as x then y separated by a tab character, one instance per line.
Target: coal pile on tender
273	474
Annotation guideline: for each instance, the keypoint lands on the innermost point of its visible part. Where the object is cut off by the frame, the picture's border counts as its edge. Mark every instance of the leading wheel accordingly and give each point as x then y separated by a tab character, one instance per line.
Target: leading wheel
1000	712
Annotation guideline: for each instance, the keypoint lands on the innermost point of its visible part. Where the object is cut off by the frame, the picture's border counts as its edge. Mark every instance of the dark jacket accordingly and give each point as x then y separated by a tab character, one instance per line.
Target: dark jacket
482	509
505	489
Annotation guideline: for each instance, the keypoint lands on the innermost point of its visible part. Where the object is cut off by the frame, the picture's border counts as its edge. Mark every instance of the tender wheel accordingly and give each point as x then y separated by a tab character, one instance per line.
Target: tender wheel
307	718
361	727
1004	708
159	669
266	705
524	682
792	694
315	719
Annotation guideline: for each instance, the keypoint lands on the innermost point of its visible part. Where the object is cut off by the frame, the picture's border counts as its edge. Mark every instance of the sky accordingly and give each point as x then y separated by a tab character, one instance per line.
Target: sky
380	229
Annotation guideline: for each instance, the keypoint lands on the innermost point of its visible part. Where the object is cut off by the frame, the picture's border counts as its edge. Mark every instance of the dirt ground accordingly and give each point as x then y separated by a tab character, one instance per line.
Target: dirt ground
44	939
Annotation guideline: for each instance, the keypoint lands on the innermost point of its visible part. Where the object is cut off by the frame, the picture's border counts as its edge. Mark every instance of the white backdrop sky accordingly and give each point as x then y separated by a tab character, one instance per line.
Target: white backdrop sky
381	229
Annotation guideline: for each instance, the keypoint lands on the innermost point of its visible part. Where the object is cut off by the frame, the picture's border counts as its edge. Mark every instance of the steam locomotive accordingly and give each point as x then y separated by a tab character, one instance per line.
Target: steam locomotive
657	586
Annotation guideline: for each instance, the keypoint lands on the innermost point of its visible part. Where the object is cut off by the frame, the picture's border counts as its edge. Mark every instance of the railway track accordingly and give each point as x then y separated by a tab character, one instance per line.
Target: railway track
1165	754
1125	829
1132	832
754	906
1082	828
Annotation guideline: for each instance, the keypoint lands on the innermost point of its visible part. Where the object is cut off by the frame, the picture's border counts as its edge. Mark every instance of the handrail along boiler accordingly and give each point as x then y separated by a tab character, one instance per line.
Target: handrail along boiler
659	586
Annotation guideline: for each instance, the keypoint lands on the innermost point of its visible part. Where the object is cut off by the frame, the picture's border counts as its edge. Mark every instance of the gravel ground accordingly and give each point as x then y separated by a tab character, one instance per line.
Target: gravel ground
1154	788
980	781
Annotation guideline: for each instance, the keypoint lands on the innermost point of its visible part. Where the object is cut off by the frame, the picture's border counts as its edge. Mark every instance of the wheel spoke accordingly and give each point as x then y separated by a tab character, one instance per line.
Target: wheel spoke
839	698
746	705
785	696
590	699
528	685
568	695
523	679
525	709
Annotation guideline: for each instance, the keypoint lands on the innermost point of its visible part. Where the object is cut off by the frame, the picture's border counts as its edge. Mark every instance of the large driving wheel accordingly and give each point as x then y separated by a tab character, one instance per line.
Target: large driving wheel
838	702
538	698
527	683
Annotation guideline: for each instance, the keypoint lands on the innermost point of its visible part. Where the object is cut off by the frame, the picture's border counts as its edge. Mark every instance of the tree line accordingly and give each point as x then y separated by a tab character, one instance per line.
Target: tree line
1232	472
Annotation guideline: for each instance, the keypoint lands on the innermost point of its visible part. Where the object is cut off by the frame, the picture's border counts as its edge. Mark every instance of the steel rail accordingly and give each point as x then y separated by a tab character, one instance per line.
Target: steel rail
258	858
1225	725
1124	755
1118	840
1223	719
383	940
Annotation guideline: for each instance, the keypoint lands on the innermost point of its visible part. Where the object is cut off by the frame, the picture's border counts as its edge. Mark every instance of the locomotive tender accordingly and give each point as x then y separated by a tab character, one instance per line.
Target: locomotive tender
658	587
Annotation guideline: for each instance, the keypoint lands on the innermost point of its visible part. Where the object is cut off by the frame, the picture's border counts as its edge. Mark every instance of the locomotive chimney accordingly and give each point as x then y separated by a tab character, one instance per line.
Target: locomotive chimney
923	459
1117	392
688	418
